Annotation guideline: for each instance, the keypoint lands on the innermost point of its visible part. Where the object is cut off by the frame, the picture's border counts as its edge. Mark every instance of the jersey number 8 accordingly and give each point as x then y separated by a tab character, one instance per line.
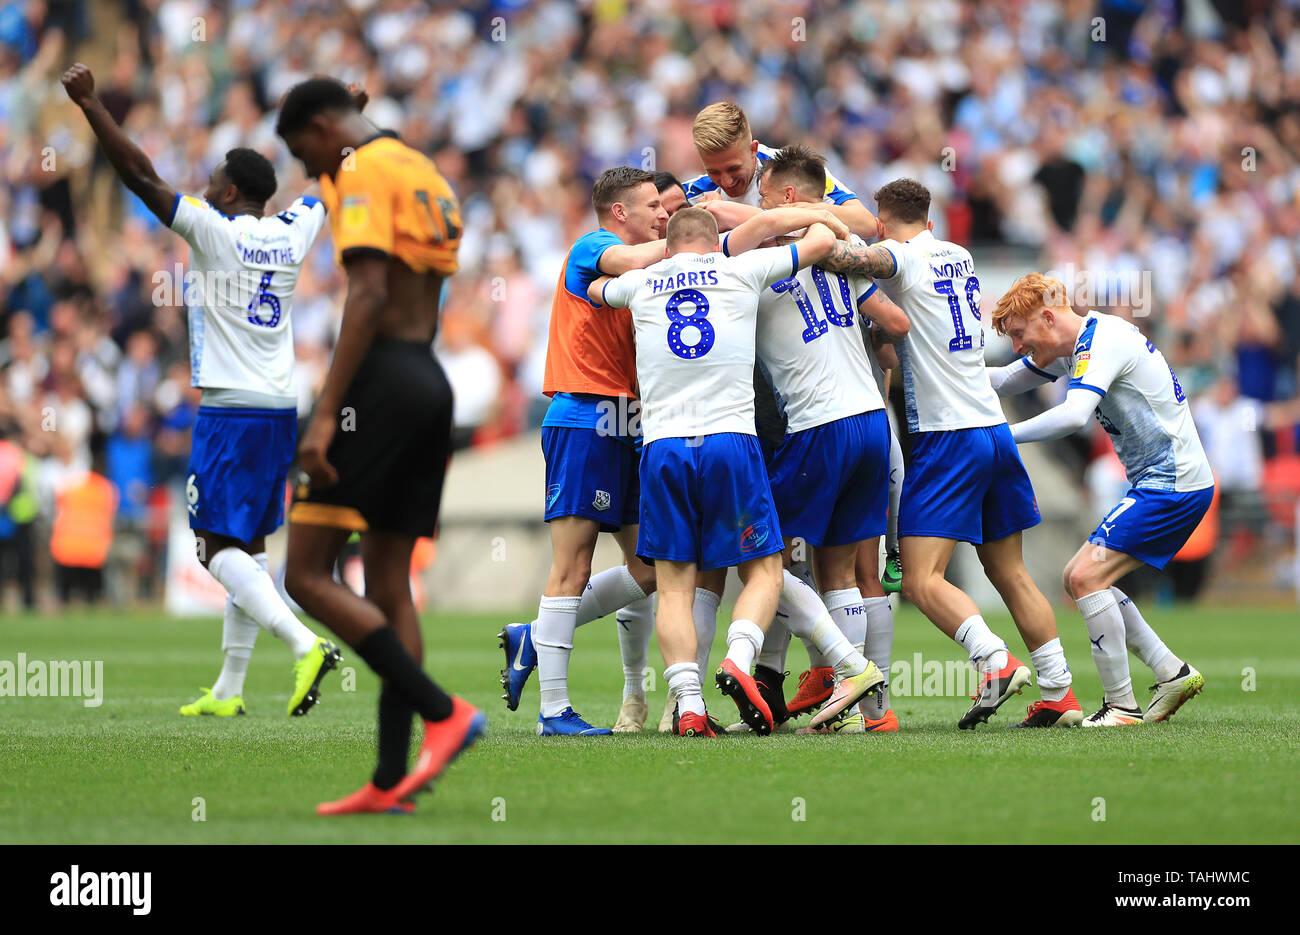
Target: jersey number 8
678	323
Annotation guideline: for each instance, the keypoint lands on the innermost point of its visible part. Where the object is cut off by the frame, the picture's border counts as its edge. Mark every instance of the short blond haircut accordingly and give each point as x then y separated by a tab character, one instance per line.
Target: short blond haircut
720	126
1026	296
691	225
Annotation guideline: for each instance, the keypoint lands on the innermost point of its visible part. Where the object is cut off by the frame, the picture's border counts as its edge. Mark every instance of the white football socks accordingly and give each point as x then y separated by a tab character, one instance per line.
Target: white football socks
606	592
1109	648
895	492
987	653
1144	642
744	639
238	636
684	682
705	613
635	624
255	594
845	608
808	618
557	618
1053	673
879	648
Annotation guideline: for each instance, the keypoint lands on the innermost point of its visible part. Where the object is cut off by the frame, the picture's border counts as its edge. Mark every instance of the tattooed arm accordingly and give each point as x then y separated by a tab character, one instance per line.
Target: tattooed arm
860	259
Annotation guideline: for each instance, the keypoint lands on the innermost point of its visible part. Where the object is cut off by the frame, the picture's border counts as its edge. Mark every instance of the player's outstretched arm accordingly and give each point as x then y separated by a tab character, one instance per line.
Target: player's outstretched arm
595	292
860	259
891	322
1059	421
617	260
729	214
367	295
1017	377
886	354
766	225
132	165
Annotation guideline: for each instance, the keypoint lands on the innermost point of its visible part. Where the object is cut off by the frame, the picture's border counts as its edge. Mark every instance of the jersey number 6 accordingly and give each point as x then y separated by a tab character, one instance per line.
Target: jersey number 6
264	298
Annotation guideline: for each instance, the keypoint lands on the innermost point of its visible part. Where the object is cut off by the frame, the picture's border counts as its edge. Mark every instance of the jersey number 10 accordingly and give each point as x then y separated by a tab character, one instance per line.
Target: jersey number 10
816	327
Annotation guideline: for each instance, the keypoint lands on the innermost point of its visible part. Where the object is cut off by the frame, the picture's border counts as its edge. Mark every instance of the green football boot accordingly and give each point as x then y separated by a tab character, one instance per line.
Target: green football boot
206	704
892	579
308	672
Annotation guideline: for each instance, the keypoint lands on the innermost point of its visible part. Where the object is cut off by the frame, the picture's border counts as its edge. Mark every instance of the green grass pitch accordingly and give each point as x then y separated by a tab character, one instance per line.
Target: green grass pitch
132	770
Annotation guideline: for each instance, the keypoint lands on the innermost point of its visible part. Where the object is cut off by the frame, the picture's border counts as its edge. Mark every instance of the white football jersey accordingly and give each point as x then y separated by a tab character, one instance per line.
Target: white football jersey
942	358
1142	405
810	342
243	270
836	192
696	319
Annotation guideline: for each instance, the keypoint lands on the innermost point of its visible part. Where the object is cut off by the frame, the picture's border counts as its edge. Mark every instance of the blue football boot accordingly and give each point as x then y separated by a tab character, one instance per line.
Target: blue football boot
568	724
521	660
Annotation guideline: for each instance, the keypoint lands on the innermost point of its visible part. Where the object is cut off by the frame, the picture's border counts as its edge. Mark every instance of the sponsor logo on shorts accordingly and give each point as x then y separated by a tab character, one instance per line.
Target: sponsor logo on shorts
601	501
753	537
552	494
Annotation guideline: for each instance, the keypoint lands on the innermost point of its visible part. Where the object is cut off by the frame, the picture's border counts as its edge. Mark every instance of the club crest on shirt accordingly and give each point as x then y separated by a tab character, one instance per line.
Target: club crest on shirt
601	502
356	212
552	494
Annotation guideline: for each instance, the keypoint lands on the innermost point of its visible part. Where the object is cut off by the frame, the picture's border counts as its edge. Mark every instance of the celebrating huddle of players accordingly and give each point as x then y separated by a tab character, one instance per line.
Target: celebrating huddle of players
749	335
749	297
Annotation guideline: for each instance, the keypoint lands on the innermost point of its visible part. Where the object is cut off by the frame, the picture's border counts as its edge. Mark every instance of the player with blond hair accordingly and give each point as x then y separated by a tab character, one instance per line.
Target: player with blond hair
731	157
1116	373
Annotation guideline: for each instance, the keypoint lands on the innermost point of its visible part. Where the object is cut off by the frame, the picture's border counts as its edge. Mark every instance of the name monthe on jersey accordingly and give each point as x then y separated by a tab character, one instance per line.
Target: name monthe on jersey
244	270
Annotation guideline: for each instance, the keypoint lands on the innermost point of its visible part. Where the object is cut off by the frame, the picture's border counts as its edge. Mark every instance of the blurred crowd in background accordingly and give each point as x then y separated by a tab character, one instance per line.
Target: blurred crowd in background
1124	138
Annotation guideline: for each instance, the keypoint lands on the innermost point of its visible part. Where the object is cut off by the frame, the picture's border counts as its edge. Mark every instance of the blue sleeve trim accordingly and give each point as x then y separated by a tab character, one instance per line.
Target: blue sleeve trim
1042	373
698	186
603	301
841	196
725	238
794	260
868	294
893	257
176	203
1077	385
310	201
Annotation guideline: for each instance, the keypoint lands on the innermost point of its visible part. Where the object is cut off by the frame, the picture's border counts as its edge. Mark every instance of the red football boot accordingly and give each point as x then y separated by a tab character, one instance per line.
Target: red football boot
368	800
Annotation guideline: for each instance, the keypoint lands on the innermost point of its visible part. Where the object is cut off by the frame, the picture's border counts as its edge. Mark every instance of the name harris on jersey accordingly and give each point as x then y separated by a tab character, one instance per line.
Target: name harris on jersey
708	277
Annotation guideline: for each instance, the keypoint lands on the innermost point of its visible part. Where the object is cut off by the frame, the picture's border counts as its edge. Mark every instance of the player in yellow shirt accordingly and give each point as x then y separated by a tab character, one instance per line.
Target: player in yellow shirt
376	448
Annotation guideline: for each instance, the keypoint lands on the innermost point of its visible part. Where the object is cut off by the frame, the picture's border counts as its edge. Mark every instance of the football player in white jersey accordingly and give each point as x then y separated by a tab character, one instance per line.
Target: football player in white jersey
965	481
731	157
244	267
705	498
820	369
1115	372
